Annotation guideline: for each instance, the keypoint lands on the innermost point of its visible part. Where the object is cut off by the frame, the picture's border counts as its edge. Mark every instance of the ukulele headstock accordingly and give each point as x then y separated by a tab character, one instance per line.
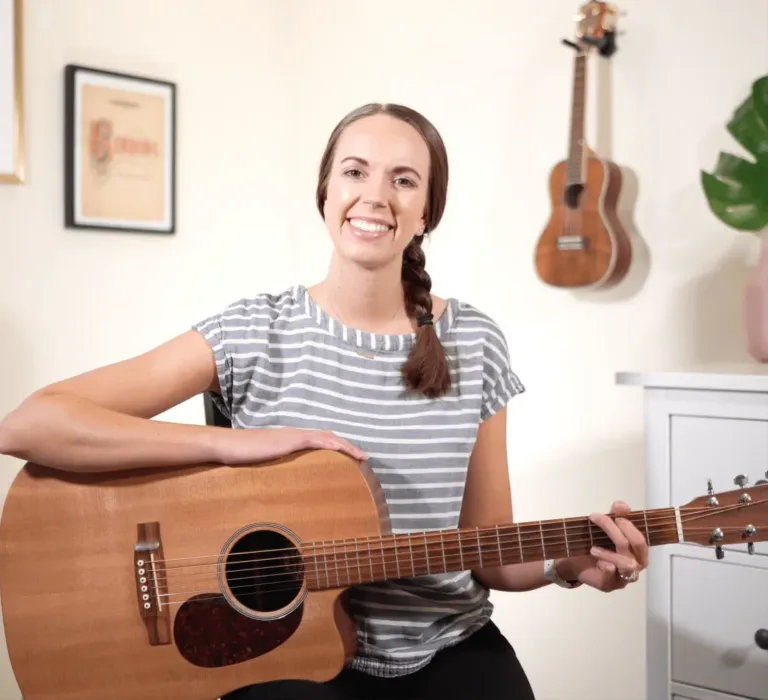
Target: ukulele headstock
738	516
596	28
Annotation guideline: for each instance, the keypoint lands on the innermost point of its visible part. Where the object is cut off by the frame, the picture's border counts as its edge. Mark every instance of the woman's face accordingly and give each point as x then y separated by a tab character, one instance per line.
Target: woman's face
377	190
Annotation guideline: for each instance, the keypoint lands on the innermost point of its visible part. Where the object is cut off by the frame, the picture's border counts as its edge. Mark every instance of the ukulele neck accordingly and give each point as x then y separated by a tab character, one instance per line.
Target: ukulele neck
575	166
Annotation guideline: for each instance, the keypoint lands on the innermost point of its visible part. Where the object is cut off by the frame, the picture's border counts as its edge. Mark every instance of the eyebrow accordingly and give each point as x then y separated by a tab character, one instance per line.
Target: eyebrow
398	169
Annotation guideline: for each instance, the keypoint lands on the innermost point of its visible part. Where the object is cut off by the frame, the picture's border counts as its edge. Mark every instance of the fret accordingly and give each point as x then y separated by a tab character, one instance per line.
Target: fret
370	559
346	563
410	549
565	534
325	559
426	552
461	551
397	554
359	566
479	546
591	540
317	567
498	546
442	548
543	550
647	531
520	541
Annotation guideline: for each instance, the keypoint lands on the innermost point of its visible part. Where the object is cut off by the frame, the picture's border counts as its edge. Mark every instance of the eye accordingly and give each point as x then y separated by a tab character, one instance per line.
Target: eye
405	182
353	172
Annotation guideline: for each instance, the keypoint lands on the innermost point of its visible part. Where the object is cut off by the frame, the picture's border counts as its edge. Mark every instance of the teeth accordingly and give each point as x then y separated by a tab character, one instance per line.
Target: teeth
369	226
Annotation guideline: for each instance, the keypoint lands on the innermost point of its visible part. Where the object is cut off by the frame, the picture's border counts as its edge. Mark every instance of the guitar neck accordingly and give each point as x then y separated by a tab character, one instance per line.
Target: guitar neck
337	563
575	166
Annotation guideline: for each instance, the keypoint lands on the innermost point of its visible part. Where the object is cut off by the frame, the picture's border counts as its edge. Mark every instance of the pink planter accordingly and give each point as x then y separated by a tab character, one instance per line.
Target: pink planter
756	307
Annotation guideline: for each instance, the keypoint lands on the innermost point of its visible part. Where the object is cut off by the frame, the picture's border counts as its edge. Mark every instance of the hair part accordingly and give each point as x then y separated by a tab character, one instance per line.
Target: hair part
426	370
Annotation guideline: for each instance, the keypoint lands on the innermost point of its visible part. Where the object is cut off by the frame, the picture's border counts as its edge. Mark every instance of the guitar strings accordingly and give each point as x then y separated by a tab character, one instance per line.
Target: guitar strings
336	577
534	531
448	553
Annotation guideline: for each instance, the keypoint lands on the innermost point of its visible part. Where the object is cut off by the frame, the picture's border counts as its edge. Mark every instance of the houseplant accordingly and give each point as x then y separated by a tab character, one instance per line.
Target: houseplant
737	193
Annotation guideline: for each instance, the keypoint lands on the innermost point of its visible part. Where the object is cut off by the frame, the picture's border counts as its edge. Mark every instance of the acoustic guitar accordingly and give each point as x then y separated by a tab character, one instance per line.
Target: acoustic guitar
189	583
584	244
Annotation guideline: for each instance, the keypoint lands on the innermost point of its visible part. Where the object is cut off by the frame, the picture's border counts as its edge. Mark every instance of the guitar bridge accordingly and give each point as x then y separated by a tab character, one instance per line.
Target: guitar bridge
151	585
571	242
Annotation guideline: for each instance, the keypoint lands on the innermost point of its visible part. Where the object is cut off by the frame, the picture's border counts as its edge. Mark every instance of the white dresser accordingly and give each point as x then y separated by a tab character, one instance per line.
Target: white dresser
703	612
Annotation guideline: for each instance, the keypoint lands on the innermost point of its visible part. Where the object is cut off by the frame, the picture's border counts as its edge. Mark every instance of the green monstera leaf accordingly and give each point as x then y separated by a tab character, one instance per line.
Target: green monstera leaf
737	189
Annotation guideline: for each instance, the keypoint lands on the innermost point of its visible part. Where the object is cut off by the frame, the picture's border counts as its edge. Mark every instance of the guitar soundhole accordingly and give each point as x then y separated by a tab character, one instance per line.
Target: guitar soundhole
264	571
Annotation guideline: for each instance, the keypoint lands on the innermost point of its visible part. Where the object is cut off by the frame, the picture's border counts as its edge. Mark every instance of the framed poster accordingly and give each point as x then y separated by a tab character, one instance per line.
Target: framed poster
11	92
120	151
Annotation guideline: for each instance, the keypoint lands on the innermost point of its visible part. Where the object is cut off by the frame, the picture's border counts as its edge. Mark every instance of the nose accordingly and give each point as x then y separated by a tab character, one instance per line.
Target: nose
375	191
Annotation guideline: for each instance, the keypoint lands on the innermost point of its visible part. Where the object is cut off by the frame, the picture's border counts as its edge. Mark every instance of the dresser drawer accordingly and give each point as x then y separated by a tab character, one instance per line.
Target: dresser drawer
703	447
716	608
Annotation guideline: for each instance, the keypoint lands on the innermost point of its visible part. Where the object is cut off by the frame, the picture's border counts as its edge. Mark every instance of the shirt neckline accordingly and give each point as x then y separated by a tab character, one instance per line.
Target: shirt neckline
365	340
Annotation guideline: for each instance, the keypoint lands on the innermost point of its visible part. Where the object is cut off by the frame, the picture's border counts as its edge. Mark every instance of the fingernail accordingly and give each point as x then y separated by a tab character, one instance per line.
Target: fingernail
597	550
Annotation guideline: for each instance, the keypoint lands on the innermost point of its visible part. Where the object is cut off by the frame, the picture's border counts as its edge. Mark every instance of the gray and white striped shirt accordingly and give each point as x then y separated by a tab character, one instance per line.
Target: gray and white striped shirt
283	361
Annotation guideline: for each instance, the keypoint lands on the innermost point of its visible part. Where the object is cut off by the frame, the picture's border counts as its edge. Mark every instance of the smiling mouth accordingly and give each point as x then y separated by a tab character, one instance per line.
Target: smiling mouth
369	228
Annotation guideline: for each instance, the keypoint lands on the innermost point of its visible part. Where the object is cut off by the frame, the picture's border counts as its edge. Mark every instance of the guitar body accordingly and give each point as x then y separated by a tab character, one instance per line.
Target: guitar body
75	548
584	243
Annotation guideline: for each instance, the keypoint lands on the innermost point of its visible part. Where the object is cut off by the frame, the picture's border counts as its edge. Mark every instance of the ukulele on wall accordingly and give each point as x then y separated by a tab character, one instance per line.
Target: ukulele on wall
584	244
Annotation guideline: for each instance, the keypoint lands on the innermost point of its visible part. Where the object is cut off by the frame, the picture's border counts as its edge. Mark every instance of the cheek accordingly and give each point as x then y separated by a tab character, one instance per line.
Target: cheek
340	197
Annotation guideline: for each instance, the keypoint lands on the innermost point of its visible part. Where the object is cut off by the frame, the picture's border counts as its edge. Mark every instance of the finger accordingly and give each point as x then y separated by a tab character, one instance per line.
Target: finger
619	561
610	528
620	508
637	542
606	567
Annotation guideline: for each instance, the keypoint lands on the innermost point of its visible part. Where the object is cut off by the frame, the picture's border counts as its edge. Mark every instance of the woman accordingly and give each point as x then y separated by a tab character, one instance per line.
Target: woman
368	362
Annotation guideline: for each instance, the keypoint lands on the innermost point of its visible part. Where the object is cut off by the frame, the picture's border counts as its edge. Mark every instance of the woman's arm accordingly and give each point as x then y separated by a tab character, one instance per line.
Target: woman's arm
101	420
488	502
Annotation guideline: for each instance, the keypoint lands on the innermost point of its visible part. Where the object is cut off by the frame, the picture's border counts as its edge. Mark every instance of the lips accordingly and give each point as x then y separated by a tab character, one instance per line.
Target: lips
369	228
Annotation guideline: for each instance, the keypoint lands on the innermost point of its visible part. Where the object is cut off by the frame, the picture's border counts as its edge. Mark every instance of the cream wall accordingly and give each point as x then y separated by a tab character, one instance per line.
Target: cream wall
261	83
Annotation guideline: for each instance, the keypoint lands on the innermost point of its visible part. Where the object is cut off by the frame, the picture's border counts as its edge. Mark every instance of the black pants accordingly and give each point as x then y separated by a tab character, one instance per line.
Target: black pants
483	667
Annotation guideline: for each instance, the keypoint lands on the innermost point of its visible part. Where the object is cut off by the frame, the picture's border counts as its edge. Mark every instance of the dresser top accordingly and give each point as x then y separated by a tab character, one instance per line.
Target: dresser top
742	376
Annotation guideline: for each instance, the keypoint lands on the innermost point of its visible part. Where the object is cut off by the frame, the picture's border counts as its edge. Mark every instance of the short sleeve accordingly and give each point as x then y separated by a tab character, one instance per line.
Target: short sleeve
213	329
500	382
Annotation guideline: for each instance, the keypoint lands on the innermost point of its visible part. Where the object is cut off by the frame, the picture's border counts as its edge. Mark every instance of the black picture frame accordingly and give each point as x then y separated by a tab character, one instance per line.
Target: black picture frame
120	151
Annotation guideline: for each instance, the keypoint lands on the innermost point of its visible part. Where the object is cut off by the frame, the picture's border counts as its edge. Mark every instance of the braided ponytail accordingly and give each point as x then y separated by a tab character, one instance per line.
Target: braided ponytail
426	369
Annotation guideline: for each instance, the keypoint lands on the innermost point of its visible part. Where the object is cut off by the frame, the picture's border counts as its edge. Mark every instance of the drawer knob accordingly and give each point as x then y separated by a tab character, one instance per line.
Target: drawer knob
761	639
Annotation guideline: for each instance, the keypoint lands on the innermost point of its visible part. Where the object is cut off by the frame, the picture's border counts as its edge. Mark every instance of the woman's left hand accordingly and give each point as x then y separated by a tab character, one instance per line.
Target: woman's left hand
609	570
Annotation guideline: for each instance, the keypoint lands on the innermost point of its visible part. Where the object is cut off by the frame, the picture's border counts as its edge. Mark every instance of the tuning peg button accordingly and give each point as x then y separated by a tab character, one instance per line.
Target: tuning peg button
741	480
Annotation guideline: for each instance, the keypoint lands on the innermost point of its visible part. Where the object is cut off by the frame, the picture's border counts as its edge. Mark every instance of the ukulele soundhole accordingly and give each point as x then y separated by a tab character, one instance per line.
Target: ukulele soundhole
261	577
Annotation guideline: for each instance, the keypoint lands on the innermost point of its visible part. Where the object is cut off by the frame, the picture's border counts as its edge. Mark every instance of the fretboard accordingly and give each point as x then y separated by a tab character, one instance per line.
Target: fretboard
574	168
341	563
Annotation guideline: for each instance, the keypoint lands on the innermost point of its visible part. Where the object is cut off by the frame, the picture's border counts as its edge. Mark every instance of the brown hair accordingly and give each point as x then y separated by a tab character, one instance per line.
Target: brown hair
426	369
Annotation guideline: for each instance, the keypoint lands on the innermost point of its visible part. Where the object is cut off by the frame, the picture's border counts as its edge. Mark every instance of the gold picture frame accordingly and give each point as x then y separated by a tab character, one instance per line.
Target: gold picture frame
12	143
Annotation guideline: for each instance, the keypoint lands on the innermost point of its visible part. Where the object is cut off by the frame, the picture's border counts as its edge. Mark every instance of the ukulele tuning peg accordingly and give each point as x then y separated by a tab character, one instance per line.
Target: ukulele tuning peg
750	548
710	490
741	481
719	553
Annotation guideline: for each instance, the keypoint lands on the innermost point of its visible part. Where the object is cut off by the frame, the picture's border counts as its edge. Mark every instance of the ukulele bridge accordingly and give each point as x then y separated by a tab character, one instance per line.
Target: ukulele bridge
571	242
151	583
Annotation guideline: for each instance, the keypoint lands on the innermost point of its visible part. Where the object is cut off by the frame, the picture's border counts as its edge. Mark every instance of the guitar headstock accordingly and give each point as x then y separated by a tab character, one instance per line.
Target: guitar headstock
596	27
738	516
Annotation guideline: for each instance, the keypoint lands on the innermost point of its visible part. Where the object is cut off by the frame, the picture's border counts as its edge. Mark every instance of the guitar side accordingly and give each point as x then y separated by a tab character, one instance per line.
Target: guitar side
74	549
584	245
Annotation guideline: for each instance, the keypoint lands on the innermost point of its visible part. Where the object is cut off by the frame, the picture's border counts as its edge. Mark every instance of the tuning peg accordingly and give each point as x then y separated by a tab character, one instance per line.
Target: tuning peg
750	548
741	481
762	481
710	490
719	553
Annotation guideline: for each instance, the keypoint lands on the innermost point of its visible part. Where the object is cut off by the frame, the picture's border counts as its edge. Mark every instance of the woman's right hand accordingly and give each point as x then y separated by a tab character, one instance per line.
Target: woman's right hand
254	445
